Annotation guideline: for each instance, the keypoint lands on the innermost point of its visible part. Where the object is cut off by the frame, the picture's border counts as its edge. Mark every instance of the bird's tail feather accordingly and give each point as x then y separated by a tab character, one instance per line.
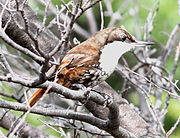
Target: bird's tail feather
36	96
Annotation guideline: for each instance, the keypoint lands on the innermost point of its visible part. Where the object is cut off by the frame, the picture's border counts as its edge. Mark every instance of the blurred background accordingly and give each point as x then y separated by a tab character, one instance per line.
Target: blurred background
161	16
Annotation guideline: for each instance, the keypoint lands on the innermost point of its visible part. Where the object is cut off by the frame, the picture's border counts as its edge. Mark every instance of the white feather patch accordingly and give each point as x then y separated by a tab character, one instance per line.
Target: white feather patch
111	54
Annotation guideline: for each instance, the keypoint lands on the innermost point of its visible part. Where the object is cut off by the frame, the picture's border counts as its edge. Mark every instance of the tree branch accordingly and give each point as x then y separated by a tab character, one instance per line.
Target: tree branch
7	119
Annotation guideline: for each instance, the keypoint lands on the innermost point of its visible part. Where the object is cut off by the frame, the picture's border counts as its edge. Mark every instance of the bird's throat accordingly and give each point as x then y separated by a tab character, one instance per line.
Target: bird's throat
111	53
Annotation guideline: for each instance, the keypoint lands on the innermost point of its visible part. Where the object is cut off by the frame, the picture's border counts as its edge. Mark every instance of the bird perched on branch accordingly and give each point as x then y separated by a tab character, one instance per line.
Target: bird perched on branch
92	61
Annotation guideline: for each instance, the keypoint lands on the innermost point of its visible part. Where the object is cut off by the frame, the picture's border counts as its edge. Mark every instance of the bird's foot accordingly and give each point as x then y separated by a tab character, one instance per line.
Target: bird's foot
107	98
86	90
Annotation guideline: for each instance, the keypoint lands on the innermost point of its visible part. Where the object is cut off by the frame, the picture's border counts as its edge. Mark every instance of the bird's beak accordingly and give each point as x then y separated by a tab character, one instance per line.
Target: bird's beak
143	43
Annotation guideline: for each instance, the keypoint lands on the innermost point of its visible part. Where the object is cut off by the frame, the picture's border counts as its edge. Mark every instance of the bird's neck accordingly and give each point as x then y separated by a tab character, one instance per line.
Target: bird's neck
100	38
111	53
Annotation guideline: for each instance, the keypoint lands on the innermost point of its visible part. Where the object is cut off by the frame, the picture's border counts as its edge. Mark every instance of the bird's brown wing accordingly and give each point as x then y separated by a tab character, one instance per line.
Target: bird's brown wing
78	66
77	70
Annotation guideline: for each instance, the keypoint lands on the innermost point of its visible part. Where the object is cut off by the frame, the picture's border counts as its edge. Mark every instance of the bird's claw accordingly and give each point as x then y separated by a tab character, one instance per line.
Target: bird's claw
107	98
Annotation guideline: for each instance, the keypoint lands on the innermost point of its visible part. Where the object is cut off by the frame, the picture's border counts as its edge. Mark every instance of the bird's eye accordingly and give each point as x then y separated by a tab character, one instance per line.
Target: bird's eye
123	38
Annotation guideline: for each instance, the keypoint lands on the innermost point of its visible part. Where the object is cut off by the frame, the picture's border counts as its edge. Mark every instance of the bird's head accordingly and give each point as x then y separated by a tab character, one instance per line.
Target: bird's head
121	35
109	36
119	39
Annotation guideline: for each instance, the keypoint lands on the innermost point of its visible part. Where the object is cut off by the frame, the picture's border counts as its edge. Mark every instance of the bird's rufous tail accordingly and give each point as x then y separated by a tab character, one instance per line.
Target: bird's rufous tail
36	96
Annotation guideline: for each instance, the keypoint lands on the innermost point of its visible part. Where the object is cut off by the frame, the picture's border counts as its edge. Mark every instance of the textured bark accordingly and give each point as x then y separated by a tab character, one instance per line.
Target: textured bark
128	118
17	32
7	120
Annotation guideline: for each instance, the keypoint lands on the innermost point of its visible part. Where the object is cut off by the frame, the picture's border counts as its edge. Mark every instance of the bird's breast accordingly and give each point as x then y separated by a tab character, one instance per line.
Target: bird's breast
109	58
110	55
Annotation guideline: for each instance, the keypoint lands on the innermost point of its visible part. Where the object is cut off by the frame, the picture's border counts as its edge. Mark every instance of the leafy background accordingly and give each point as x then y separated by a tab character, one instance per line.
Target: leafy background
165	20
167	17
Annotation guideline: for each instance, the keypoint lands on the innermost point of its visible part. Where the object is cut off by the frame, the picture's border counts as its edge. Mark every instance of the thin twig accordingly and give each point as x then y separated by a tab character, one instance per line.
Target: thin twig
102	15
2	12
48	125
77	127
173	128
15	129
10	96
5	63
176	59
6	38
170	43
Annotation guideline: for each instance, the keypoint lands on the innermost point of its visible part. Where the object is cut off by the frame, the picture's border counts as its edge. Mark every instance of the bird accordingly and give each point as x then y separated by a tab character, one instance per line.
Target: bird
92	61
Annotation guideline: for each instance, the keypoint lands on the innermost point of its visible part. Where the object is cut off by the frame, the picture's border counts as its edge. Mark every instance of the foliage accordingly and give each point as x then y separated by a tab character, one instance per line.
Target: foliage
149	20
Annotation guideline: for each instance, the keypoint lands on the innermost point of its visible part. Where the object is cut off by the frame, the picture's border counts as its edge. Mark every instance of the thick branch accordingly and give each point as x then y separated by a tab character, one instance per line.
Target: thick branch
7	119
99	100
8	40
55	112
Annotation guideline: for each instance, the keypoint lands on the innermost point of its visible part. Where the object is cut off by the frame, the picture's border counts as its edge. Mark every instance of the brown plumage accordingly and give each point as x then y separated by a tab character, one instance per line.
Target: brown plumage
81	65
